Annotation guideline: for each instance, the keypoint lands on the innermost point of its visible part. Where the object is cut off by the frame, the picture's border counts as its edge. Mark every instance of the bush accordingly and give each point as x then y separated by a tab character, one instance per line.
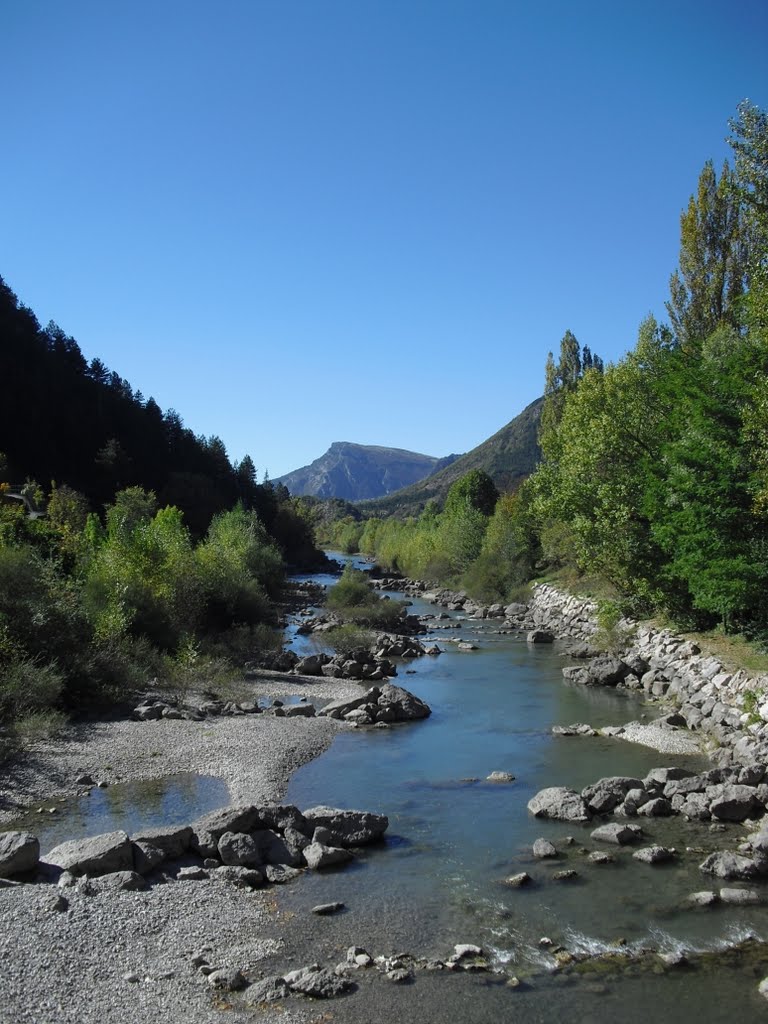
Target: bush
353	599
345	639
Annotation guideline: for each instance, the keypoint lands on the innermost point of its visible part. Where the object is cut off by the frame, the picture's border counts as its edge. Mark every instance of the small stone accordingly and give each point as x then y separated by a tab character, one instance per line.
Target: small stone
518	880
57	904
566	875
500	777
654	855
740	897
600	857
228	979
324	909
706	898
542	849
131	976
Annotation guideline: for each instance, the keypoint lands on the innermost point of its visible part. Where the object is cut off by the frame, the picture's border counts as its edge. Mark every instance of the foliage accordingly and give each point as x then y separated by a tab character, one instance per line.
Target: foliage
354	600
714	249
348	638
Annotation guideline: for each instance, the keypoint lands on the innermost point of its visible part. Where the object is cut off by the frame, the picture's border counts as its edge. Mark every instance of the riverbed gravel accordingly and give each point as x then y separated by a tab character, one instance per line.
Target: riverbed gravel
131	956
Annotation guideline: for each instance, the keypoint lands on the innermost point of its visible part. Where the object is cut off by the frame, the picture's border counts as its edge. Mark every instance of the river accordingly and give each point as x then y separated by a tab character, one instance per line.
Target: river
454	838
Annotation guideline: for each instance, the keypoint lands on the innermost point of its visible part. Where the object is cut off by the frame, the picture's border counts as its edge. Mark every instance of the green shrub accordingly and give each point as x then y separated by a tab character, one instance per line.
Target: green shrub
348	638
354	600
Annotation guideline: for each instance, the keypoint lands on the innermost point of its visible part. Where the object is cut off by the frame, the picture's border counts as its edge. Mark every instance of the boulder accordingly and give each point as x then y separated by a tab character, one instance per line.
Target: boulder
606	794
617	833
116	881
728	865
656	808
174	841
542	849
733	802
605	670
243	878
309	666
408	706
268	990
317	982
560	804
97	855
228	819
19	853
353	828
318	855
739	897
706	898
540	636
654	854
227	979
146	857
239	849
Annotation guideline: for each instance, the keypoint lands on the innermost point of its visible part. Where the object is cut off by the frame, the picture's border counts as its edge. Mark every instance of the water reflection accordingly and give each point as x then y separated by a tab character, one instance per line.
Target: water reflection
128	806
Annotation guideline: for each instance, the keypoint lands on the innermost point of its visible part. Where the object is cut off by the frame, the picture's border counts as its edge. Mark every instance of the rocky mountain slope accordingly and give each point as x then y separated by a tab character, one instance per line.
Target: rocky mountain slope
508	457
358	471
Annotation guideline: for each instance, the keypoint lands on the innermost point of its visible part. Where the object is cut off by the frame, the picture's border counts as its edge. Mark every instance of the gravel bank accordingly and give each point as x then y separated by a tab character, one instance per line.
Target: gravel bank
120	956
667	741
253	754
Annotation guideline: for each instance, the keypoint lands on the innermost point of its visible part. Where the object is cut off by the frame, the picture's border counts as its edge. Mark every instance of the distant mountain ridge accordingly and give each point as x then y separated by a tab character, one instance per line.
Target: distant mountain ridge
356	472
508	457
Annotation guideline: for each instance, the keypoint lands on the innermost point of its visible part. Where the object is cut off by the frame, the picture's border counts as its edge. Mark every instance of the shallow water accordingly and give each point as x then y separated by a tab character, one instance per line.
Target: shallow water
438	879
128	806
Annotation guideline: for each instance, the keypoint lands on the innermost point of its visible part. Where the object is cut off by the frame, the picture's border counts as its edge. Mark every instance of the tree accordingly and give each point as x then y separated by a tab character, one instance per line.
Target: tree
562	378
474	490
750	144
712	275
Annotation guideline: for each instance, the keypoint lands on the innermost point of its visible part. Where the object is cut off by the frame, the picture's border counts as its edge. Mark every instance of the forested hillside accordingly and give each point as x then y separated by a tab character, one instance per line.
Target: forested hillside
654	471
147	557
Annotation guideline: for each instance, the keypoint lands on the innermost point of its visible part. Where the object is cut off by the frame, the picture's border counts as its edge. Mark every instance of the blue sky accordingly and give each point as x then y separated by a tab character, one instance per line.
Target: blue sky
304	221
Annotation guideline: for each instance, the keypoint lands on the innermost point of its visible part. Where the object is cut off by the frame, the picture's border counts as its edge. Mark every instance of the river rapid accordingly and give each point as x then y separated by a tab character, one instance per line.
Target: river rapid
454	837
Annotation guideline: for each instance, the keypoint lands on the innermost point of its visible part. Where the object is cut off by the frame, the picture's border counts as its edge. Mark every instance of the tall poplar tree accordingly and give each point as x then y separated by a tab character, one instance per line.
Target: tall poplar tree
714	252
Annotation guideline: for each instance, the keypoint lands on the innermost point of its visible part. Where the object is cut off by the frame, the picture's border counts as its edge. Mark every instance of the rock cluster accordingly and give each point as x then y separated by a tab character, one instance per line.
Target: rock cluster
153	707
379	705
246	845
729	707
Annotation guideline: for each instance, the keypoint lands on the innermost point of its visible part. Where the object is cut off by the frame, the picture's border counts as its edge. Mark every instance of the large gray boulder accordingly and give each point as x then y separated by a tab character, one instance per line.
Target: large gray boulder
98	855
228	819
617	833
728	865
173	841
19	853
605	670
734	802
349	828
606	794
318	855
407	705
560	804
239	849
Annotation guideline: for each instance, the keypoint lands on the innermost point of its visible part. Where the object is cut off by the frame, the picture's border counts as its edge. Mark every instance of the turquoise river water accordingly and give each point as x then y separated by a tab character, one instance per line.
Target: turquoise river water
453	838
